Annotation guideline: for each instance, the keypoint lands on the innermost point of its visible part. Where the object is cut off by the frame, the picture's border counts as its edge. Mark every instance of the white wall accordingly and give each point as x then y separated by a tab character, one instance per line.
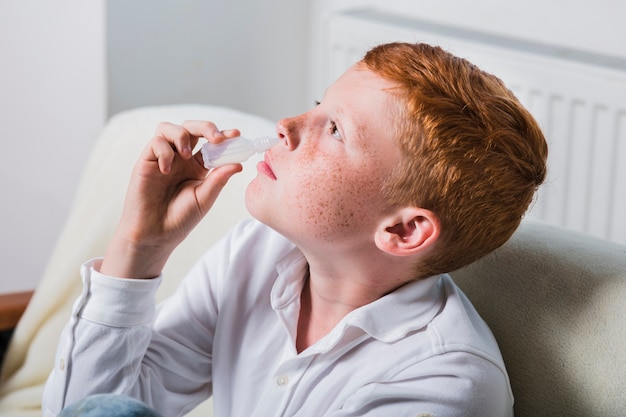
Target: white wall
247	54
52	104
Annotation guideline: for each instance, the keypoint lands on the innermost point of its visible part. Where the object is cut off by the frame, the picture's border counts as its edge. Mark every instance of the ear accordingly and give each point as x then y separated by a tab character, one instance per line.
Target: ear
407	231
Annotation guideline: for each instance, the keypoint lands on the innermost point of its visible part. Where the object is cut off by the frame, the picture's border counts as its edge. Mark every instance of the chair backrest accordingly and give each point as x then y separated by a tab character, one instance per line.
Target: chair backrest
556	302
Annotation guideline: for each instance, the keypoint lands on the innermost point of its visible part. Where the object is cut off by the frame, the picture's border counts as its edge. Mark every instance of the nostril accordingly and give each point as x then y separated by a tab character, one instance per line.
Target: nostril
287	132
287	142
285	139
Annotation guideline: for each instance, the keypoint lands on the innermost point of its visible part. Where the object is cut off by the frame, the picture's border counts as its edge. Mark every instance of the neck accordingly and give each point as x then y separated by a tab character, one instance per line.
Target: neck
332	291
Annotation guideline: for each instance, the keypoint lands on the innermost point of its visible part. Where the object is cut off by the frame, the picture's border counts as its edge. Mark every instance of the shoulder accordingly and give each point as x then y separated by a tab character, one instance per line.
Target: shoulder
464	347
459	327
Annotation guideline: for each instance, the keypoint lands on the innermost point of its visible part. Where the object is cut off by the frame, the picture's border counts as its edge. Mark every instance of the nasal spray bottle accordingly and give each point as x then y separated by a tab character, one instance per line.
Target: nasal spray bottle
234	150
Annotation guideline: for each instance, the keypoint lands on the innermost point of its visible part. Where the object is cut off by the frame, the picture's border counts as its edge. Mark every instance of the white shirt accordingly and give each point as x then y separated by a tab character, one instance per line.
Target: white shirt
229	331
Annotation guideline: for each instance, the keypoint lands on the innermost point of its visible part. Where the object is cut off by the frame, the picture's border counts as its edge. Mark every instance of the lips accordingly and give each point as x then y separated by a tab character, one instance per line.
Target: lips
264	167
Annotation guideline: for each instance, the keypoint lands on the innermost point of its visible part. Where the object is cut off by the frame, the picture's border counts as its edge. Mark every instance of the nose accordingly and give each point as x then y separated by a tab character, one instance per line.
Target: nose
287	131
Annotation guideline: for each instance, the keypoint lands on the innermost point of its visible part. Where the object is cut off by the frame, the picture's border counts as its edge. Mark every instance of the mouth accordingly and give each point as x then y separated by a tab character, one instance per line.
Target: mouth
264	167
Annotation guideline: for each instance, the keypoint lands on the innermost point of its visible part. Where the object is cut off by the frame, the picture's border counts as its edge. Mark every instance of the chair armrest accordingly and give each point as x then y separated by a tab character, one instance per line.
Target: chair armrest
12	306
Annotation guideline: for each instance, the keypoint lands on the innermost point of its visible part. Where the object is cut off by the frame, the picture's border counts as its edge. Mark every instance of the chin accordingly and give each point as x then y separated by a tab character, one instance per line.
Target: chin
251	202
256	204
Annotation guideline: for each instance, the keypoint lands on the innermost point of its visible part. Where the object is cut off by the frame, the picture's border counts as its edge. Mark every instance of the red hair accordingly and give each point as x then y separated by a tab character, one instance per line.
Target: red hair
473	155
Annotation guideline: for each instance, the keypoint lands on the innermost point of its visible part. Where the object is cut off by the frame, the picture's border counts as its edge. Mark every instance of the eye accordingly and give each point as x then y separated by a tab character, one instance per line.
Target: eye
334	132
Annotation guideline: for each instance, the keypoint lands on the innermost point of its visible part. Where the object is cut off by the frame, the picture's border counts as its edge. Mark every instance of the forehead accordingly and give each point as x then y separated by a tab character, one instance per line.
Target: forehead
359	80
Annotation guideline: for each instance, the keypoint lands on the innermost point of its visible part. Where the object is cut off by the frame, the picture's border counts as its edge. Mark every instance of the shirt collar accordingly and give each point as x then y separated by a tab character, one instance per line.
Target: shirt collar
407	309
291	272
388	319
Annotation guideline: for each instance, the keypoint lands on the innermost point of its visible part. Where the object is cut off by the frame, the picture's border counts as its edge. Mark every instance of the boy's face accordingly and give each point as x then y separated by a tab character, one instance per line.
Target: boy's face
322	183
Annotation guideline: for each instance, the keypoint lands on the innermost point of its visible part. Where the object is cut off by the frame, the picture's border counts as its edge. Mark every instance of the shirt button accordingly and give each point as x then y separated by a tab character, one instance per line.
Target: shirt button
282	380
62	364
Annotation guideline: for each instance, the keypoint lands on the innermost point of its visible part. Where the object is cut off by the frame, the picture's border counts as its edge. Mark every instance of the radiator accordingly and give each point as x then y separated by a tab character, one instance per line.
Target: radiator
579	99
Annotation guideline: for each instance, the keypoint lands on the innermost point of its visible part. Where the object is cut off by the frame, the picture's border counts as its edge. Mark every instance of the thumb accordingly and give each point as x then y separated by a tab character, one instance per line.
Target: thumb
213	184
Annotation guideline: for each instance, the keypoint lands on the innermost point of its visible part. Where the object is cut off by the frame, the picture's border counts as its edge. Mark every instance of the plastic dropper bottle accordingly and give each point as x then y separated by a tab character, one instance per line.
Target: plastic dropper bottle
234	150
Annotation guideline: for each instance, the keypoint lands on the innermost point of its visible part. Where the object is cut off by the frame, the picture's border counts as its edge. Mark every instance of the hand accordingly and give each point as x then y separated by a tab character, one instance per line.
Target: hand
169	193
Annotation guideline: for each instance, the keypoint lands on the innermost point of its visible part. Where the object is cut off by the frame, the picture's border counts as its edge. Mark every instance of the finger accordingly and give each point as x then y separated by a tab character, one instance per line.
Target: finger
209	131
160	150
231	133
178	137
211	187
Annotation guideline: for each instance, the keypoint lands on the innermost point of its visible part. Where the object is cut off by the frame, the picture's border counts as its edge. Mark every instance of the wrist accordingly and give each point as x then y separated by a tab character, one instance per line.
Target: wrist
125	259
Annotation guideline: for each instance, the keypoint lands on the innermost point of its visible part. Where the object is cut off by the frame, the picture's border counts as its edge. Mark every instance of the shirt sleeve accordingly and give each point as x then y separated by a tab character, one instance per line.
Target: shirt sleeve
116	343
119	341
91	356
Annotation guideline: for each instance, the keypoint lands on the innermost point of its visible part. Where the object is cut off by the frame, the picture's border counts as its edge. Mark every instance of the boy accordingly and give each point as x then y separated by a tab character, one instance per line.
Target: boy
334	301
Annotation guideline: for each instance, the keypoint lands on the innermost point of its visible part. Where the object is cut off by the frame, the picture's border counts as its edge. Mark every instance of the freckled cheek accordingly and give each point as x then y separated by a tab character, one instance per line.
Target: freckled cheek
334	202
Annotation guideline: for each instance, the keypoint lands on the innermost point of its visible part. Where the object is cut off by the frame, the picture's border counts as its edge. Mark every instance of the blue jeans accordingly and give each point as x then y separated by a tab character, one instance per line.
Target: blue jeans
108	405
